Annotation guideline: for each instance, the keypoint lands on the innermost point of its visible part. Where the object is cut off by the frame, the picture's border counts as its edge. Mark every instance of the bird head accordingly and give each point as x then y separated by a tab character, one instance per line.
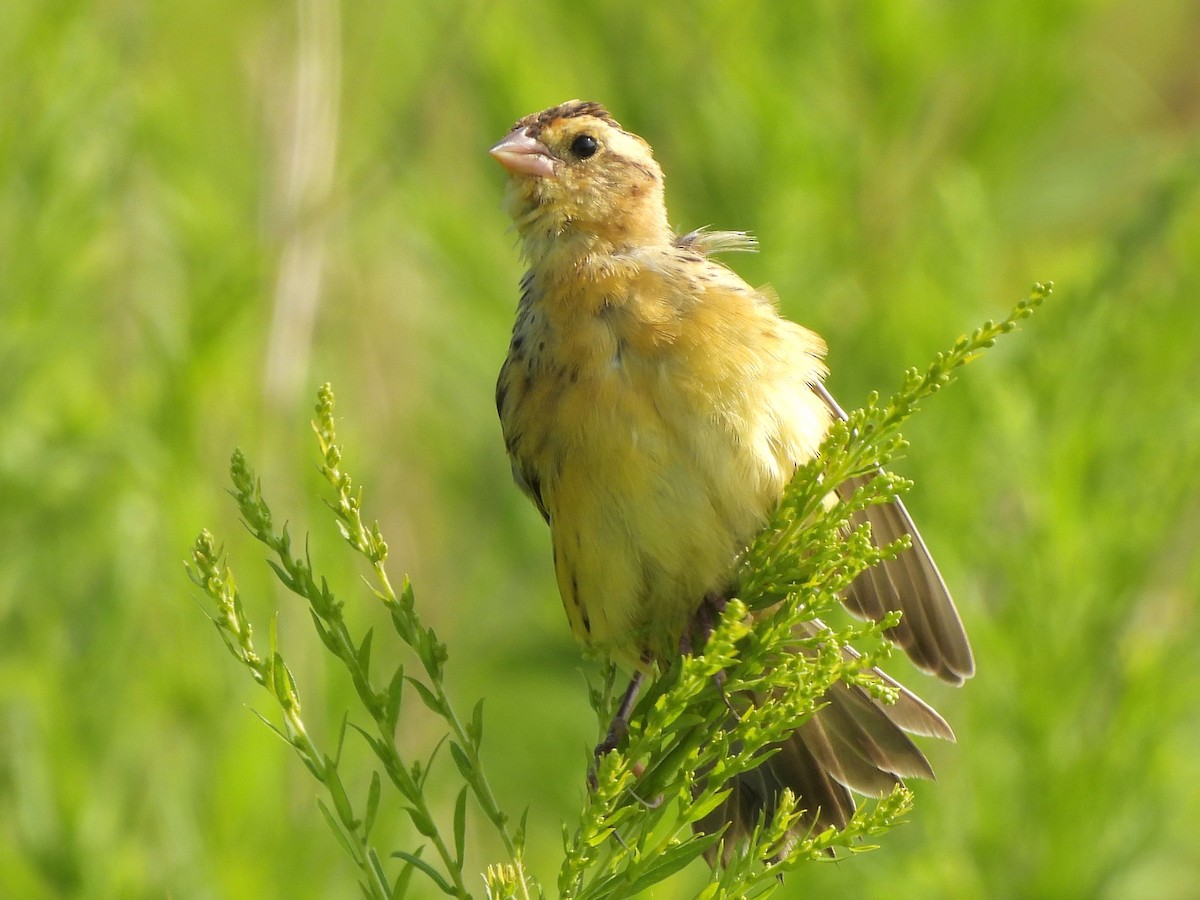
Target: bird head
580	183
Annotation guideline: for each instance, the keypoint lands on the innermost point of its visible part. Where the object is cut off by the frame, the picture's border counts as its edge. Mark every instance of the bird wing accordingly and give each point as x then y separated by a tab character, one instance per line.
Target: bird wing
930	631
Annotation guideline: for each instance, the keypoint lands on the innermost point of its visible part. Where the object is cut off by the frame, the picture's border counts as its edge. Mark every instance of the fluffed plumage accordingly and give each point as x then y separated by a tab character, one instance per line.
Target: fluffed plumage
655	406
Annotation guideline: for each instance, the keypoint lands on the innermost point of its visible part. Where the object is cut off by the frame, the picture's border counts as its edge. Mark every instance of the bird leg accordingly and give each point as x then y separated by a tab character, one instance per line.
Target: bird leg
619	727
704	620
696	635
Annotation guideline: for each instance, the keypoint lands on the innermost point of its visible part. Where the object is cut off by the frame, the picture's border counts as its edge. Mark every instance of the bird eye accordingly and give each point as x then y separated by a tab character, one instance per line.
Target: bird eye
584	146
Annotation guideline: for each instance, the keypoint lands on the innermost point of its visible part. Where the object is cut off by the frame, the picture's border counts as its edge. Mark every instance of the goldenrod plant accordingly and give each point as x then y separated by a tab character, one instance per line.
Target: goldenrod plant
691	733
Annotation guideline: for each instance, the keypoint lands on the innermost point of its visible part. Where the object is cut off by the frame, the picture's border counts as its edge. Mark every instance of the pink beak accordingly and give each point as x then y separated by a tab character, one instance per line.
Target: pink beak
522	155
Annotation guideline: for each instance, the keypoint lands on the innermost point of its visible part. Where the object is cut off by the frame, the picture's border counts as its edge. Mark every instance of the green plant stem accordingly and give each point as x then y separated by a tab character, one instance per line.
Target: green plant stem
297	575
367	541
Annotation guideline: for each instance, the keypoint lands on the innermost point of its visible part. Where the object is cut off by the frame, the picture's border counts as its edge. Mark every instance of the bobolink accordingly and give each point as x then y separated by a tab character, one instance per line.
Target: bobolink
655	406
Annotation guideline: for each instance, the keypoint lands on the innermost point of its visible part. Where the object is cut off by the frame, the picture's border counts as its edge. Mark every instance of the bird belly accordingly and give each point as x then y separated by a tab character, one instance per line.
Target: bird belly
651	499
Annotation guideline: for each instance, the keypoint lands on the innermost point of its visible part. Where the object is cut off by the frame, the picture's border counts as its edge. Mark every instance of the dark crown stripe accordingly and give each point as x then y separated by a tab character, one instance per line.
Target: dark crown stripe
533	125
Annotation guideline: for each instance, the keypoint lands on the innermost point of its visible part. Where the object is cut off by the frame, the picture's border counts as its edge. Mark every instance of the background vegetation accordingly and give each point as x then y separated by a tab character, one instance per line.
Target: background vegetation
208	209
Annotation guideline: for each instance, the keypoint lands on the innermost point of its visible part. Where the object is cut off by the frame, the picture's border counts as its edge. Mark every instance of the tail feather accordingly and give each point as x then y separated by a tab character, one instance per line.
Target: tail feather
854	744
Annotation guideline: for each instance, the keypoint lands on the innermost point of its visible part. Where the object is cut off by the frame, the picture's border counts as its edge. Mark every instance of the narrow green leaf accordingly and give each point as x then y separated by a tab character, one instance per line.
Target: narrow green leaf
378	747
283	683
663	865
375	864
421	821
599	837
283	737
400	888
460	827
433	874
337	792
420	778
329	605
325	634
697	811
364	652
284	577
519	836
428	697
403	880
373	794
341	739
462	762
395	694
403	625
337	830
475	730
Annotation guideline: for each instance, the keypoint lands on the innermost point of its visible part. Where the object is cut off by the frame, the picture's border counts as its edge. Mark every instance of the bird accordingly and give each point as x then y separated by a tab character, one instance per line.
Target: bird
654	406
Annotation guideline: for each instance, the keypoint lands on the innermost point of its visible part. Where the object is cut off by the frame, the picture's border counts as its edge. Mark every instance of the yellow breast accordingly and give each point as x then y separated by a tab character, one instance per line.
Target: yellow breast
656	421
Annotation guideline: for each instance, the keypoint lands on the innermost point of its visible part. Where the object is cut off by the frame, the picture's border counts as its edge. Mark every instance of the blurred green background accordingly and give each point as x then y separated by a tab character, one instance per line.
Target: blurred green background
208	209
